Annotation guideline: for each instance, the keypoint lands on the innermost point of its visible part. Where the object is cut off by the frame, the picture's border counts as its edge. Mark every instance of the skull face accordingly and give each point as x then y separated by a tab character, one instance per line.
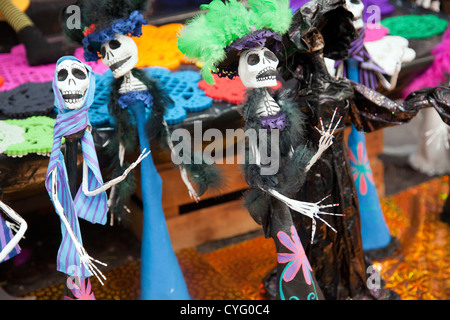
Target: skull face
120	55
356	7
257	68
73	81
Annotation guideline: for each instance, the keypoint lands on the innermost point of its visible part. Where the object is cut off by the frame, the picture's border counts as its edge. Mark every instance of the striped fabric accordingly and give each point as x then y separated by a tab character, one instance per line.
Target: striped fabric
92	209
15	18
5	237
367	67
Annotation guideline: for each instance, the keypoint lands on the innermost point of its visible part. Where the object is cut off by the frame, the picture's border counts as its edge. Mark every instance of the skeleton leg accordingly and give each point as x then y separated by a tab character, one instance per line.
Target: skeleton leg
19	234
84	257
184	175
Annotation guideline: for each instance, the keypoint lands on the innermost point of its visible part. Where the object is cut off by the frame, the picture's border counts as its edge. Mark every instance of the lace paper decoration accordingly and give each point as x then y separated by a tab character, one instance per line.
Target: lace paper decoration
31	135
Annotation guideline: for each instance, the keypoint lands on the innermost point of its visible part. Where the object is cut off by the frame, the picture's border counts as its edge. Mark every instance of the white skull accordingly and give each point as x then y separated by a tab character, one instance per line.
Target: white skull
356	7
120	54
258	68
73	81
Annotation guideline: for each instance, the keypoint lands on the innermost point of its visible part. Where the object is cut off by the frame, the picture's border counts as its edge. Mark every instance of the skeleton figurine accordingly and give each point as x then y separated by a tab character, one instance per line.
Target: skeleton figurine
74	87
120	55
257	71
324	29
277	123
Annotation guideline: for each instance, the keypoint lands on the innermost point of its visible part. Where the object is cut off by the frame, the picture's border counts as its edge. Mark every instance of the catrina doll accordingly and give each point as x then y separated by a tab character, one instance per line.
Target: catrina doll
233	39
107	28
325	29
74	87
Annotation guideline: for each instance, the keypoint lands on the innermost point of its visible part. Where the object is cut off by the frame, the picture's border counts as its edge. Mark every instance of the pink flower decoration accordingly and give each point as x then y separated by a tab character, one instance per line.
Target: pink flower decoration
361	168
83	293
297	258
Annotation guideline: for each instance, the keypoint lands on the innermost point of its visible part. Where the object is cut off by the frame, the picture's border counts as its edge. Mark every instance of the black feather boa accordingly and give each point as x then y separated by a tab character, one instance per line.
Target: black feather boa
126	134
291	174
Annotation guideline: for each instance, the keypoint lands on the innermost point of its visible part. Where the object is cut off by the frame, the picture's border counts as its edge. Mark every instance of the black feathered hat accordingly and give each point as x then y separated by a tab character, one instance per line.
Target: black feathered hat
100	20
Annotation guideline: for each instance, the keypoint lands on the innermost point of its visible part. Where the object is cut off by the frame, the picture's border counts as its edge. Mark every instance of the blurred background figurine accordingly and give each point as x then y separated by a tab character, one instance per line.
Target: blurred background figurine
39	50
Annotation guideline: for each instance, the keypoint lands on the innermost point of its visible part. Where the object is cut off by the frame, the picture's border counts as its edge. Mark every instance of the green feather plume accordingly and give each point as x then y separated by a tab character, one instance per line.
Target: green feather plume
206	36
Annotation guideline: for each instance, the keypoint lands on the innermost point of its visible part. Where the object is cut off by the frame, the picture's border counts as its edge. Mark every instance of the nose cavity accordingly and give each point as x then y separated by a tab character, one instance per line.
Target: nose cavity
108	53
73	81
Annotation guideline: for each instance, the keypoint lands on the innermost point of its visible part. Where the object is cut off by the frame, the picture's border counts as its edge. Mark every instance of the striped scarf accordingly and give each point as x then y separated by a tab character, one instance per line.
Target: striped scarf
92	209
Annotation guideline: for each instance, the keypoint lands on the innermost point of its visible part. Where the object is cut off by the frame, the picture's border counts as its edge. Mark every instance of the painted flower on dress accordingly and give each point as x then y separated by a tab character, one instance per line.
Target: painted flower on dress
83	293
361	170
297	259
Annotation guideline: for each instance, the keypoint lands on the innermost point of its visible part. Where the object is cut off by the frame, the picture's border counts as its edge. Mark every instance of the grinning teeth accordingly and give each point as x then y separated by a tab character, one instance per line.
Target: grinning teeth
264	70
266	78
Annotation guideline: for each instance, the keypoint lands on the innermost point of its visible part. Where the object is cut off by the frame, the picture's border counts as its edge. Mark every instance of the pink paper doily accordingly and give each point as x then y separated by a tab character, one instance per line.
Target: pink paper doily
375	32
15	70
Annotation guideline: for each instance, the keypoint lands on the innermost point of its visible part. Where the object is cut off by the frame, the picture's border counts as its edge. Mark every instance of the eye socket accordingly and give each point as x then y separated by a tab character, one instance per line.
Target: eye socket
114	44
355	1
62	74
270	55
103	52
77	73
253	59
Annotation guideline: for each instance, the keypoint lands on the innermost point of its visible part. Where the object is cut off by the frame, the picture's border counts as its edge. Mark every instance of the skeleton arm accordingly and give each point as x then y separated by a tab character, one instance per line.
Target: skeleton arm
106	186
309	209
19	234
192	193
84	257
390	85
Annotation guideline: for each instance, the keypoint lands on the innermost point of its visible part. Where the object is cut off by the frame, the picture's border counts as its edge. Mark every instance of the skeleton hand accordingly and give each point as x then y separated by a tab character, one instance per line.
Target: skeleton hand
18	227
308	209
88	262
327	136
326	139
192	193
142	156
14	227
312	210
441	134
106	186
